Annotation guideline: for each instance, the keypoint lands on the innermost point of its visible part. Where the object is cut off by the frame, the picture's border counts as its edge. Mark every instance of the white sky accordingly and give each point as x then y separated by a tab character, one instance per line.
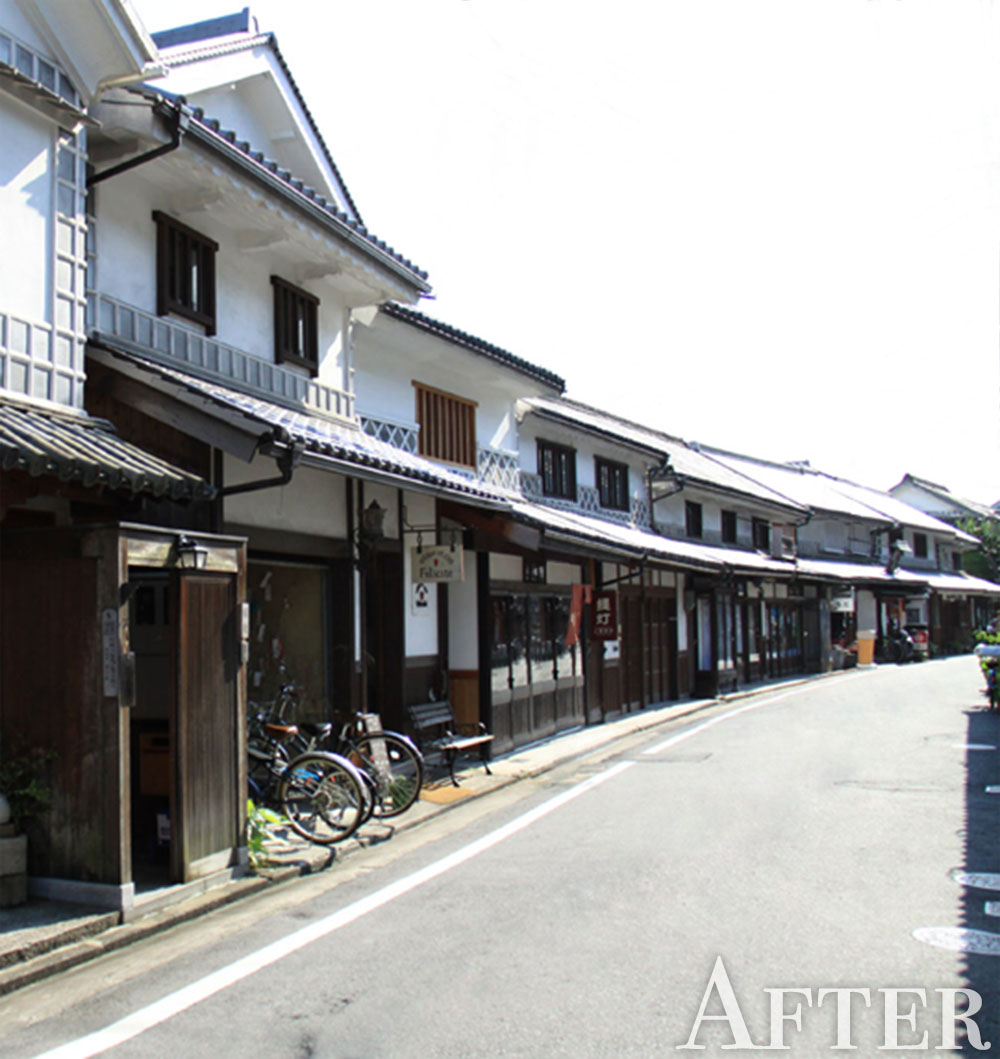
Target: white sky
771	225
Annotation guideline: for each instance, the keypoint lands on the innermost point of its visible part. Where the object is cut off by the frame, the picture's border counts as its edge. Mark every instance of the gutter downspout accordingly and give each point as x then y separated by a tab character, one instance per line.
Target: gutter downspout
287	459
179	125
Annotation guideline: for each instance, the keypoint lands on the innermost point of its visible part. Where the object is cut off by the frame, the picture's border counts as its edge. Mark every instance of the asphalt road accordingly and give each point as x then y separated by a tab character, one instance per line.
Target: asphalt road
806	840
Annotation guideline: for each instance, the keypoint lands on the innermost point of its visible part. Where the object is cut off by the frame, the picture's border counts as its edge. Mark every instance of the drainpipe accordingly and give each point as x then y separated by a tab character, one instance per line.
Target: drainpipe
178	122
287	458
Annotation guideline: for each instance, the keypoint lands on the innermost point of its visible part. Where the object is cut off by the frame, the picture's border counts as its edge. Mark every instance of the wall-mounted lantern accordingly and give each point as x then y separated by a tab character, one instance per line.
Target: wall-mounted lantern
190	554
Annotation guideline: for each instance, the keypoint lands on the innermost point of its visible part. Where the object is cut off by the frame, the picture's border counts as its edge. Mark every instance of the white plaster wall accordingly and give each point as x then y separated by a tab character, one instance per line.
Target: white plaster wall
562	574
312	502
463	626
420	627
866	609
587	450
26	181
236	89
126	242
13	21
505	567
389	356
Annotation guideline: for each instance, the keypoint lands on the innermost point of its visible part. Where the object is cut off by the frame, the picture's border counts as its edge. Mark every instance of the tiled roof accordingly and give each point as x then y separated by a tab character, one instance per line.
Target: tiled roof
685	460
342	443
212	132
477	345
220	42
78	448
641	543
952	502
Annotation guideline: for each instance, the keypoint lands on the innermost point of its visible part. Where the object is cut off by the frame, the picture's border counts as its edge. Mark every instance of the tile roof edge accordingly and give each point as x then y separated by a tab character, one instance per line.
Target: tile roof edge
470	341
268	38
268	170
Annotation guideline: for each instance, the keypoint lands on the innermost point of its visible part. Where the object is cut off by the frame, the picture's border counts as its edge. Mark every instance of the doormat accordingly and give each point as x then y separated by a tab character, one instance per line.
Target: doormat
443	795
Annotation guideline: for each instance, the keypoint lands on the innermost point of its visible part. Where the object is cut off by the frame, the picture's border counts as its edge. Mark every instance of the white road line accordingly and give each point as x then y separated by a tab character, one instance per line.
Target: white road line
978	880
145	1018
992	908
960	939
993	790
972	746
681	736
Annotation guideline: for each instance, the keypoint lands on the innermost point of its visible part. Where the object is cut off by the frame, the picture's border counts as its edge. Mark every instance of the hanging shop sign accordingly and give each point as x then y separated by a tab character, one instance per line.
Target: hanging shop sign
842	601
604	616
437	562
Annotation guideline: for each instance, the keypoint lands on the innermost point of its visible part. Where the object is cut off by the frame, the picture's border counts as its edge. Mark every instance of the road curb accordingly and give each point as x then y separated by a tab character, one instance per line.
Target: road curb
106	933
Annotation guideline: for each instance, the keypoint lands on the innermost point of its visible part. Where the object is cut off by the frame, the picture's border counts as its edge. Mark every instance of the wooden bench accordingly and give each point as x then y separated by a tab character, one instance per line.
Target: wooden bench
436	731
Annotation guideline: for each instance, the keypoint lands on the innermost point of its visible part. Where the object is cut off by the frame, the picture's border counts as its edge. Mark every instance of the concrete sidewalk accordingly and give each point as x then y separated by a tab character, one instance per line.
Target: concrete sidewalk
44	937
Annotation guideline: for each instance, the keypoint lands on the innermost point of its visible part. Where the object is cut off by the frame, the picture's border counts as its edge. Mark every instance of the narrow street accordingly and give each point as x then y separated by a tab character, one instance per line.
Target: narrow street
811	839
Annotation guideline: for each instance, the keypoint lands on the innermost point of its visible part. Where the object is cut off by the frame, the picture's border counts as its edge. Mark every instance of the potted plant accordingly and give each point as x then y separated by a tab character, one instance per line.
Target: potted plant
23	795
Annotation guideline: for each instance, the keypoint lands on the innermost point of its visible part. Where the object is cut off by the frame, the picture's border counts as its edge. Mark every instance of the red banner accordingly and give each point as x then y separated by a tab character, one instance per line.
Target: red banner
581	595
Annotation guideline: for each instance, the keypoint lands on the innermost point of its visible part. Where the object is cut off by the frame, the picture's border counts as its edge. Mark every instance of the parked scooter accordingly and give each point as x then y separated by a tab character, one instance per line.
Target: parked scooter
899	645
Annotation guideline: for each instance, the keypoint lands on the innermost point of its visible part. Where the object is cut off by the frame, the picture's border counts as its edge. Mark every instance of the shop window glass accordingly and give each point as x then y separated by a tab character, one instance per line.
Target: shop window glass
288	635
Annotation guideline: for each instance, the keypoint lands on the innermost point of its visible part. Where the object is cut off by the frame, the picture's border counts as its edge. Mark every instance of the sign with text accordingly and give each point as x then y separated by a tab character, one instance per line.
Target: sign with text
604	616
437	562
842	601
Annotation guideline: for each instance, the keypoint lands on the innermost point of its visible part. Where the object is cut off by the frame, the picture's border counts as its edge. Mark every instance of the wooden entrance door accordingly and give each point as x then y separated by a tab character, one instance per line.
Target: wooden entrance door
205	816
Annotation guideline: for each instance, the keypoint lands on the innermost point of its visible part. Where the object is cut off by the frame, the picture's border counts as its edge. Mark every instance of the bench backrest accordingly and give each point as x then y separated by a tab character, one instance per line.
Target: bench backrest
430	714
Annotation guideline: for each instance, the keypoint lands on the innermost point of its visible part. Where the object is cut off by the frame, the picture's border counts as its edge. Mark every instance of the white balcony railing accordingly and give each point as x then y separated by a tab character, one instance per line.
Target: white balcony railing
174	344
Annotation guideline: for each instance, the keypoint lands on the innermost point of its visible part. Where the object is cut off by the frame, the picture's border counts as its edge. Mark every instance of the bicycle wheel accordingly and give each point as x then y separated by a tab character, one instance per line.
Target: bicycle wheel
322	796
395	765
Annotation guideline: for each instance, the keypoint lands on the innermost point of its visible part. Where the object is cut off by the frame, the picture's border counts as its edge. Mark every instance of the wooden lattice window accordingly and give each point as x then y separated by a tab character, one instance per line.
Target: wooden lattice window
185	272
296	338
612	484
557	467
447	426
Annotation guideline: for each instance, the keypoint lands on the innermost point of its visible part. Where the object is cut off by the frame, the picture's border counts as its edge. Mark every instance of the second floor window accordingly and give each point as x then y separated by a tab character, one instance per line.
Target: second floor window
296	338
612	484
447	426
692	519
557	468
920	545
762	535
185	272
728	527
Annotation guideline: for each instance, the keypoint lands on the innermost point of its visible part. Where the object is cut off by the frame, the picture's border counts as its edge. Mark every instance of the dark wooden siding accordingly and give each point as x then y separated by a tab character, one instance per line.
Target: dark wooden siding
51	695
206	767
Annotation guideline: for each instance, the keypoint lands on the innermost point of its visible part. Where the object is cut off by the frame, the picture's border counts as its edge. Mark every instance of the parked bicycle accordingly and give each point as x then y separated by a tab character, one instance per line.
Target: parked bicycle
390	764
390	759
323	796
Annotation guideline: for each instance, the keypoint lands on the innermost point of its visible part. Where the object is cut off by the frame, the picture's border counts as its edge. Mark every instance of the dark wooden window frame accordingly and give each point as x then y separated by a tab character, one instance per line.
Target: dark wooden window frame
612	483
296	326
557	469
762	535
920	546
447	426
693	519
185	272
729	527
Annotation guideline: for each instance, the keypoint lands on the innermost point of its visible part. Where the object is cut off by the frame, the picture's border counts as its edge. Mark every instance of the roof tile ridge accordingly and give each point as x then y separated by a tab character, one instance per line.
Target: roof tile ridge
435	326
269	38
655	432
214	126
